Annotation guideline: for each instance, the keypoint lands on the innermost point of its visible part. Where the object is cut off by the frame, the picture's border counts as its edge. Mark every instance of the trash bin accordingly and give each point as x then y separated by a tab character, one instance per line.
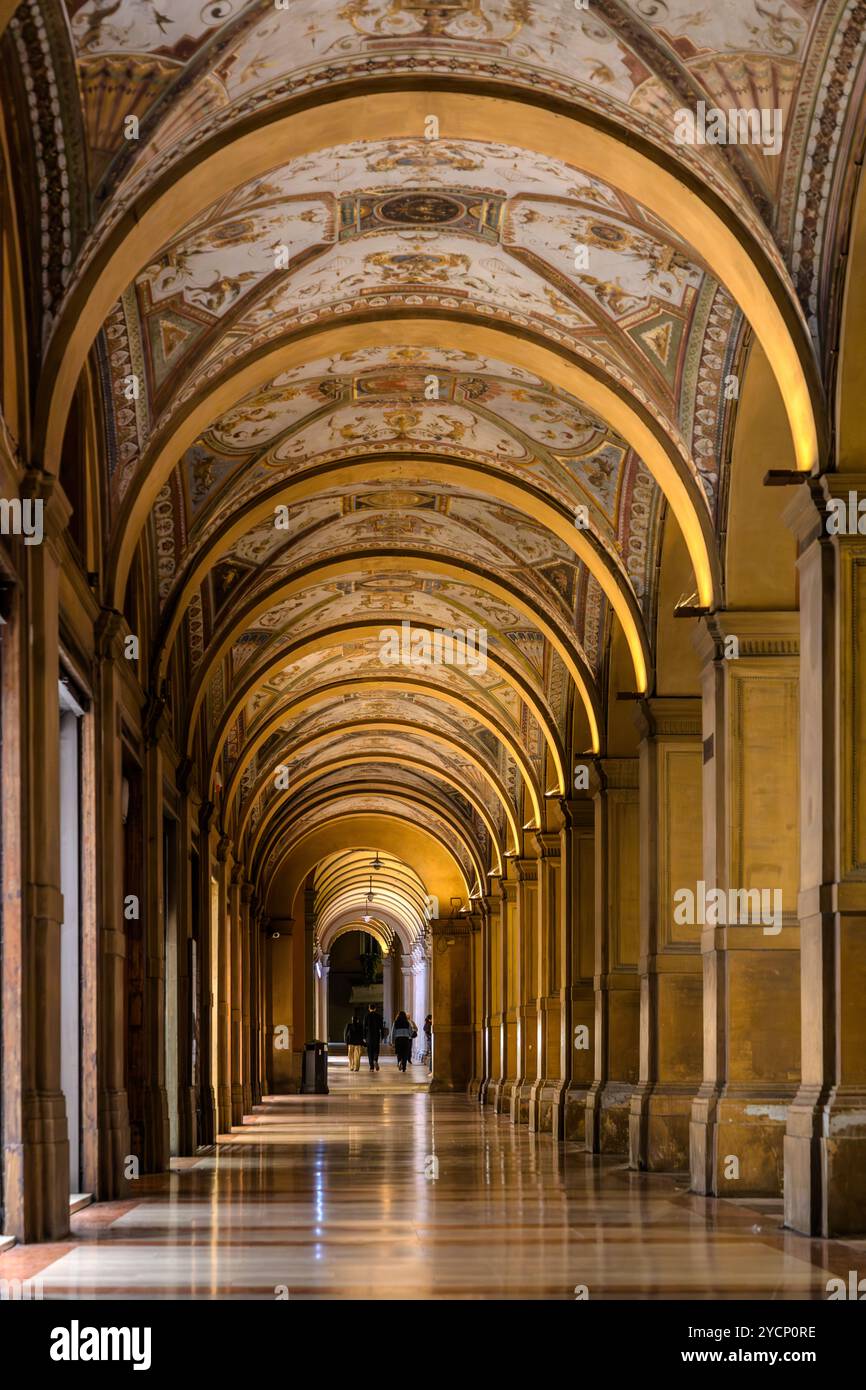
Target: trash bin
315	1082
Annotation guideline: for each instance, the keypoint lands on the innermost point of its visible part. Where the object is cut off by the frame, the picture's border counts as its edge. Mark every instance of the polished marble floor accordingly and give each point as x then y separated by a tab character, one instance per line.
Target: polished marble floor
383	1191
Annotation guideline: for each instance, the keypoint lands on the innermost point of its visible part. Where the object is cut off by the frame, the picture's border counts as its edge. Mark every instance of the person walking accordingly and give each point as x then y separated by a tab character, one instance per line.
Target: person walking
354	1039
401	1037
373	1029
428	1042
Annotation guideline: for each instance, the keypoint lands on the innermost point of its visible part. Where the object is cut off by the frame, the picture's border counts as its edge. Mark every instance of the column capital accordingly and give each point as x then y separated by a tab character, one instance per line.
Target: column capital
107	629
808	512
38	486
772	633
549	844
223	846
620	774
578	812
670	715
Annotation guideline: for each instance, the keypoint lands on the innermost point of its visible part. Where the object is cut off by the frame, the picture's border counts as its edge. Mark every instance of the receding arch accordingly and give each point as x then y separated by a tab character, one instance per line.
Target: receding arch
381	561
406	793
367	830
323	770
327	796
327	637
533	503
673	471
275	720
405	726
298	127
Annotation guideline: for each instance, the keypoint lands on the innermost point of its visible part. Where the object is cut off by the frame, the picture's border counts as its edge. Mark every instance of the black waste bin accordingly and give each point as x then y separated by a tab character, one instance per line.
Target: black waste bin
315	1082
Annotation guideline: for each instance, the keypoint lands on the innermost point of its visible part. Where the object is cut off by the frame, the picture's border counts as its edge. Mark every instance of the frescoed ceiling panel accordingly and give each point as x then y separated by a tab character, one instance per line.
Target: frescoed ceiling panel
638	60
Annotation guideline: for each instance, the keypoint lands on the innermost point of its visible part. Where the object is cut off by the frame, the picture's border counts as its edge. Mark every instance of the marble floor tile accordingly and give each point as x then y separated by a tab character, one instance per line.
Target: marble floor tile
380	1190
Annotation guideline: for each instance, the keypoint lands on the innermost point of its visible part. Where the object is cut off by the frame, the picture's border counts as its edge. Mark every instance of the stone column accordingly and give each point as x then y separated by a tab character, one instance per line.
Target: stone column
577	934
186	1097
35	1133
481	1006
825	1139
497	1046
671	978
324	964
223	999
452	1001
247	1000
422	989
208	1060
526	976
236	984
547	1086
309	981
256	1006
751	969
112	1107
286	1025
617	987
511	985
155	1131
406	974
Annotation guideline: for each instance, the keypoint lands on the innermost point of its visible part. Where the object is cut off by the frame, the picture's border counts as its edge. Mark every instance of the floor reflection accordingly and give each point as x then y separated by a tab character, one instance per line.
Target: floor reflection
380	1190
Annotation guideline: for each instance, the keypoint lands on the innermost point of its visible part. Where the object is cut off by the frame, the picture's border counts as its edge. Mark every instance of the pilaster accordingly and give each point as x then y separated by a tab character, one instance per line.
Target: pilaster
577	989
616	981
35	1131
825	1137
526	989
452	1001
544	1112
671	982
751	967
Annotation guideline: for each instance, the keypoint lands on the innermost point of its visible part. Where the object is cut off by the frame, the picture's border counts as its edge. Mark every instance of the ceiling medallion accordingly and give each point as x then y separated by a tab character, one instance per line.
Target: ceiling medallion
410	209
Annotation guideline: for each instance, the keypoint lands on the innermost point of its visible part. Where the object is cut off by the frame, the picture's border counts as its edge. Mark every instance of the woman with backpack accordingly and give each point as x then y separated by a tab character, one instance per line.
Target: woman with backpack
401	1037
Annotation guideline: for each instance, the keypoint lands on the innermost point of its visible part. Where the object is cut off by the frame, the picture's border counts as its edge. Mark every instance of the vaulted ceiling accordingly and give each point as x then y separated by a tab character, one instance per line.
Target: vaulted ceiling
421	313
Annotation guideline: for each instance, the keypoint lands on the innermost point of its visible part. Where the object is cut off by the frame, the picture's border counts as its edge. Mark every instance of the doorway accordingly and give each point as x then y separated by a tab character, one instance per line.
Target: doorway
355	976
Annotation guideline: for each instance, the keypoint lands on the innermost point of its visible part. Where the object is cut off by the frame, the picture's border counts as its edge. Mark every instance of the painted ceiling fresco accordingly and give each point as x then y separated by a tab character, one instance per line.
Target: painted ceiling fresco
406	762
640	61
482	233
361	659
478	226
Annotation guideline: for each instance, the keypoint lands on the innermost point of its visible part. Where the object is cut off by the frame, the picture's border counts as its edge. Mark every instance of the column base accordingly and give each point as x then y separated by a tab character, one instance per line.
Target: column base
155	1129
520	1097
224	1109
113	1142
506	1091
546	1107
186	1120
37	1196
492	1098
208	1124
237	1094
607	1117
247	1101
659	1120
736	1143
825	1164
574	1114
